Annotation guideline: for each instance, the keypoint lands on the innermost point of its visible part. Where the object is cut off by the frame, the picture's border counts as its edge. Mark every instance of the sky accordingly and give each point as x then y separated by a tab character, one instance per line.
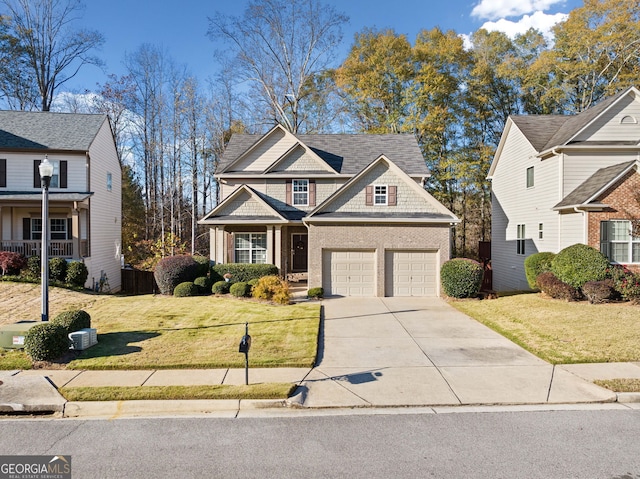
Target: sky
180	27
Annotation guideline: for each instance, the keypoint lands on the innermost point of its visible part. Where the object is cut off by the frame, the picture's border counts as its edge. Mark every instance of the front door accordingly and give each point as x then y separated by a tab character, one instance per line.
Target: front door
299	249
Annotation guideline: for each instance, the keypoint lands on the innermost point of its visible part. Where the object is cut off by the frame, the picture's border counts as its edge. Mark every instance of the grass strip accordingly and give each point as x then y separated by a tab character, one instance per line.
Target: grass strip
620	385
15	359
122	393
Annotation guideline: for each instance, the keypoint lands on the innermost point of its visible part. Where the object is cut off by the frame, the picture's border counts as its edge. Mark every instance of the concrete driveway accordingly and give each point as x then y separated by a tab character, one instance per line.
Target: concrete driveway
421	351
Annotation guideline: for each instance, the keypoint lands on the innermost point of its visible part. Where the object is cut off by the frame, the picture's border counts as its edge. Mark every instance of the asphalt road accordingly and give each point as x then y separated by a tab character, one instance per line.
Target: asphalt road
601	444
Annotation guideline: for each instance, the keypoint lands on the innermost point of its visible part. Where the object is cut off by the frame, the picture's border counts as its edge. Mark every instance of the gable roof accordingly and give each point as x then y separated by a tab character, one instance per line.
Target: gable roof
346	154
595	185
36	130
440	213
217	216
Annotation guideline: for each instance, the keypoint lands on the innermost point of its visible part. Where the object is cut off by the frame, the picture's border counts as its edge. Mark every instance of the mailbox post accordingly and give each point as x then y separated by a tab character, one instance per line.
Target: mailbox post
245	344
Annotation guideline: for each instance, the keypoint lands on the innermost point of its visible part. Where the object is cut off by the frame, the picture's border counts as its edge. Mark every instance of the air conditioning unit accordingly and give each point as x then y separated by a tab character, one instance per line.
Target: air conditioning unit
79	340
93	335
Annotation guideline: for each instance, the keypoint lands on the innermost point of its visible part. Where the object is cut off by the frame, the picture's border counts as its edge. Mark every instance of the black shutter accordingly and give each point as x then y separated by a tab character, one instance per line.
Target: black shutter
69	228
26	228
3	173
36	174
63	174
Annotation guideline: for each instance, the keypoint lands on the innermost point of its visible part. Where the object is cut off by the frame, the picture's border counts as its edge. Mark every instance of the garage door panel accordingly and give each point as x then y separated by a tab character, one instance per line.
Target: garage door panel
411	273
349	273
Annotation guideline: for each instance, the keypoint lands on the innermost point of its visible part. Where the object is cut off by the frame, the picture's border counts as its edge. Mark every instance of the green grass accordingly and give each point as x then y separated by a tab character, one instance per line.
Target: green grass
562	332
252	391
14	359
620	385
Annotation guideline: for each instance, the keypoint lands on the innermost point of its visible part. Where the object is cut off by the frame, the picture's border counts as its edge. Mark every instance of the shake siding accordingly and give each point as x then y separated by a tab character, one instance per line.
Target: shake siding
105	210
276	189
300	161
608	127
267	153
579	166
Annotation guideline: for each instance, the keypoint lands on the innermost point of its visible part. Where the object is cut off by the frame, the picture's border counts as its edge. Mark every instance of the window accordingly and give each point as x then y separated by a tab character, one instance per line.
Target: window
59	178
109	182
57	228
540	231
520	240
380	194
618	243
300	192
251	248
530	177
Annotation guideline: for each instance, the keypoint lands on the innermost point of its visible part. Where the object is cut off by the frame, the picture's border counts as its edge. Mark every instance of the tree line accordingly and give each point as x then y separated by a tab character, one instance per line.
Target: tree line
278	65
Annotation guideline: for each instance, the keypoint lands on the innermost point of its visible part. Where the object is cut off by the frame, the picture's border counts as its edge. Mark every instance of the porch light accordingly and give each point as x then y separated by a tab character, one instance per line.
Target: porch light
46	172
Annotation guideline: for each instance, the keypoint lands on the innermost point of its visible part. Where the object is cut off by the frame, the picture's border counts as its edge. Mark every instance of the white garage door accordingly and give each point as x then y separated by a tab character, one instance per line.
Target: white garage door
348	273
411	273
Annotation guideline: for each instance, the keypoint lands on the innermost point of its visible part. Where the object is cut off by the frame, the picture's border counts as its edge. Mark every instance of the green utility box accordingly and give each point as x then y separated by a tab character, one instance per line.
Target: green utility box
12	335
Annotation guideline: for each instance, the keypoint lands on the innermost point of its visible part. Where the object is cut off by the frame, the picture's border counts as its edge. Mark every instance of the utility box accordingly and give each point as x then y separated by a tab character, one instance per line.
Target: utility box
83	339
12	335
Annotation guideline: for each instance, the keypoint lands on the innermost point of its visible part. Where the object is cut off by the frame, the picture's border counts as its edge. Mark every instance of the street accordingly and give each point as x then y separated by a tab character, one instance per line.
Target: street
602	444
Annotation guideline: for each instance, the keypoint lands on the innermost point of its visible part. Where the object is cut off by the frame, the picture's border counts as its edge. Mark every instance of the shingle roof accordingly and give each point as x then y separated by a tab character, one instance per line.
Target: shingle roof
34	130
595	183
347	154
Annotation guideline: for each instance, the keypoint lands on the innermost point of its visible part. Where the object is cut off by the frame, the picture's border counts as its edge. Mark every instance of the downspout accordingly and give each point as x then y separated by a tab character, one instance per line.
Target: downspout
585	226
561	193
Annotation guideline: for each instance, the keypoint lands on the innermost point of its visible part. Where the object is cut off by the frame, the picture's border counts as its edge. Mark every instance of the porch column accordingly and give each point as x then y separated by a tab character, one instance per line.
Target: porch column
75	233
219	234
270	244
277	244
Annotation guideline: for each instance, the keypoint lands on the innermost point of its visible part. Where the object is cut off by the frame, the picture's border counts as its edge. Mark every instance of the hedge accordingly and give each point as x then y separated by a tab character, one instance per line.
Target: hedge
557	289
173	270
46	341
73	320
461	277
186	289
535	265
579	263
245	272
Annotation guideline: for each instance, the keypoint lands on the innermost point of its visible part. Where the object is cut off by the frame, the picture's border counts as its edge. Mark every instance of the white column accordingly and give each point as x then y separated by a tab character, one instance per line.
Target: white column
277	241
270	244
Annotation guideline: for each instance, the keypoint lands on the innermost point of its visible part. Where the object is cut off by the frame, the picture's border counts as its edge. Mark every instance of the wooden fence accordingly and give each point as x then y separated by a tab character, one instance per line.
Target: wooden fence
135	281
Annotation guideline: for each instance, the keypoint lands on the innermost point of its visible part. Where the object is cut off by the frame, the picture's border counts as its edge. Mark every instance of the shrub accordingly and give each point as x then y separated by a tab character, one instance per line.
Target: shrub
73	320
203	265
557	289
253	282
46	341
77	273
536	264
461	277
220	287
272	288
598	291
58	269
240	290
628	285
579	263
34	267
315	293
204	284
173	270
245	271
11	263
186	289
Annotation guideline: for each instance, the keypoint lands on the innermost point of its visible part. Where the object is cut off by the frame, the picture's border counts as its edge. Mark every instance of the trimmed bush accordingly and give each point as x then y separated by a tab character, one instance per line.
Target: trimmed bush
173	270
557	289
253	282
272	288
204	284
186	289
579	263
240	290
34	267
598	291
73	320
58	269
11	263
77	274
315	293
204	264
244	271
627	284
46	341
221	287
535	265
461	277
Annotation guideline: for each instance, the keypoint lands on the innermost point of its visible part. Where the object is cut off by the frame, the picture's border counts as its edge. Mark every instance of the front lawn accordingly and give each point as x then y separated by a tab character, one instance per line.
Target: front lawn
562	332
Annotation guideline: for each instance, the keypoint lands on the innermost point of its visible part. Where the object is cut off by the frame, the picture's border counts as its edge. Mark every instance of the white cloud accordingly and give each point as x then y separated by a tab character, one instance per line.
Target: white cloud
539	20
500	9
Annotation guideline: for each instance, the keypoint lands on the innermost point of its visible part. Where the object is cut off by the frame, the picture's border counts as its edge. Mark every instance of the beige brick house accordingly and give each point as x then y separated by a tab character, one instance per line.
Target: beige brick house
345	212
560	180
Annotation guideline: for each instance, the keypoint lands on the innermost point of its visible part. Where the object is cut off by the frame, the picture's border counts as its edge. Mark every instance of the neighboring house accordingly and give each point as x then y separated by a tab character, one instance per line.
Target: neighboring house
348	212
84	197
560	180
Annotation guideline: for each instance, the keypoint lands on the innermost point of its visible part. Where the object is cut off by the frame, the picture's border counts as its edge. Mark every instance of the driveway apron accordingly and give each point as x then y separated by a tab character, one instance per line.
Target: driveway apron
423	352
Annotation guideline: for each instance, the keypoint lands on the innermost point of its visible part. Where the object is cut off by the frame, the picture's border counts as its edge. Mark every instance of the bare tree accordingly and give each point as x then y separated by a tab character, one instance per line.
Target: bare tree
53	51
279	45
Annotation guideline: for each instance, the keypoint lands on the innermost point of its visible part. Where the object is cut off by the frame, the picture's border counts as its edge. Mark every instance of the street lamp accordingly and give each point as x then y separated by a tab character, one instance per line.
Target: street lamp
46	172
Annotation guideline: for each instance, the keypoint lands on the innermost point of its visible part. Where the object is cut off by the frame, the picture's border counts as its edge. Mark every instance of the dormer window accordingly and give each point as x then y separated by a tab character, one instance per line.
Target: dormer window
300	192
380	196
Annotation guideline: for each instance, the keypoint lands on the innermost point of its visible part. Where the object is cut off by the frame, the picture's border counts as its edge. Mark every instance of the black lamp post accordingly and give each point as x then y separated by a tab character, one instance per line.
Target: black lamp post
46	172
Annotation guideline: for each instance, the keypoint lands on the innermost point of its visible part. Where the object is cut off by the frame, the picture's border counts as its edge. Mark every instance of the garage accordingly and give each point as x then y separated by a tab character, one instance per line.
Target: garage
349	273
411	273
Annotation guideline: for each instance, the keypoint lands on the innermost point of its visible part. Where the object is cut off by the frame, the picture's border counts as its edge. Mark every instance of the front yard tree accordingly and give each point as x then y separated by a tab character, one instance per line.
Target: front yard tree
53	52
278	46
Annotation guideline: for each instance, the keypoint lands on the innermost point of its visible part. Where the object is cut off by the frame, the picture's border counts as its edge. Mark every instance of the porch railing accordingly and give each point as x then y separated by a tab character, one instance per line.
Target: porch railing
61	248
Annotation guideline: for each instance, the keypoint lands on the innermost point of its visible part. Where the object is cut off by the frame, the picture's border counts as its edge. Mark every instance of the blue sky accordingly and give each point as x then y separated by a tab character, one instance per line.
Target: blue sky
180	26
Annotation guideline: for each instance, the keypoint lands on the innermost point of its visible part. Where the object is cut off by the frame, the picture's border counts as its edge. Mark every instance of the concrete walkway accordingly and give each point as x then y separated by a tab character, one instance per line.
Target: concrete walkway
423	352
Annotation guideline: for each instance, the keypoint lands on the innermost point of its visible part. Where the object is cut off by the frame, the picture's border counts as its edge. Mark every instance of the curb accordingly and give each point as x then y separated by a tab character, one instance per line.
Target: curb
628	398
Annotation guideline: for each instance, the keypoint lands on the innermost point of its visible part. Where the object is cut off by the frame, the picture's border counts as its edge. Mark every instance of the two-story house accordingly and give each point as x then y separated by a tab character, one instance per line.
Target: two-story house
347	212
85	211
559	180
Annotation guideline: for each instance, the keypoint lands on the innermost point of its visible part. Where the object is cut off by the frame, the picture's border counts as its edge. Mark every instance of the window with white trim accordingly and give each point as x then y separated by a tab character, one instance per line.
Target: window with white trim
380	195
251	248
300	192
618	242
57	228
520	240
